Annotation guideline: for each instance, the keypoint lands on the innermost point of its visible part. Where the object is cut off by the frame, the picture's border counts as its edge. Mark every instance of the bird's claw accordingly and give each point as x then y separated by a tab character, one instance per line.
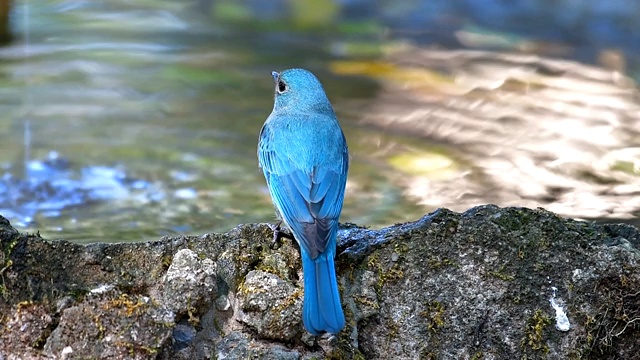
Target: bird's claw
278	233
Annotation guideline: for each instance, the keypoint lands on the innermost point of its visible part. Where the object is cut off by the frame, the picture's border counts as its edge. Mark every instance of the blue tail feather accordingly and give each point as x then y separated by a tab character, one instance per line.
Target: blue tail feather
321	311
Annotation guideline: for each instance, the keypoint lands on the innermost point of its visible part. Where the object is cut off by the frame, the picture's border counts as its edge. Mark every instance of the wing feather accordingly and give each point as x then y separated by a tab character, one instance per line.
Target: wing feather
309	198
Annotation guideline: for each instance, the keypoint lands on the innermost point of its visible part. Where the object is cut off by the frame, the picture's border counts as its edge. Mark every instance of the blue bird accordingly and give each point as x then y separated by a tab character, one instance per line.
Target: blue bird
303	154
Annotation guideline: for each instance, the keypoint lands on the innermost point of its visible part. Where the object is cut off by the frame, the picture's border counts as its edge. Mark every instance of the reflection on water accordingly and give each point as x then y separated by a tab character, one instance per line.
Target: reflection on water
158	115
144	116
526	131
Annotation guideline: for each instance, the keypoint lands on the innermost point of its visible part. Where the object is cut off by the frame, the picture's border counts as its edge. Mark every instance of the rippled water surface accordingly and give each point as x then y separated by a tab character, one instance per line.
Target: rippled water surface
128	120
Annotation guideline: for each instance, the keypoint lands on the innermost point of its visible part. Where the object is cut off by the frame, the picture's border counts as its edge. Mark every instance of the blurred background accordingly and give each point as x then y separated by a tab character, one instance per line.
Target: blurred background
129	120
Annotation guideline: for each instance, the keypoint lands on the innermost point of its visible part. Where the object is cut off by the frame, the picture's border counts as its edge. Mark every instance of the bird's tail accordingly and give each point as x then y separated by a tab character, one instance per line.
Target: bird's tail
321	311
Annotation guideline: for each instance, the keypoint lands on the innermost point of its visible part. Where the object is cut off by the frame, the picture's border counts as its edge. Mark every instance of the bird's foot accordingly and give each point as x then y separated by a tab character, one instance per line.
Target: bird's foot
278	233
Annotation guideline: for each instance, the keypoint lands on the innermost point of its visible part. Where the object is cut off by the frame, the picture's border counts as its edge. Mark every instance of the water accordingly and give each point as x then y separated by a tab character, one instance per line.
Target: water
143	116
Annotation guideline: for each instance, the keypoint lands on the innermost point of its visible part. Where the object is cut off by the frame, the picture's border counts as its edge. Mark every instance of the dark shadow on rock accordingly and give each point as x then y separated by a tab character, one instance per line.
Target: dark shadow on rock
489	283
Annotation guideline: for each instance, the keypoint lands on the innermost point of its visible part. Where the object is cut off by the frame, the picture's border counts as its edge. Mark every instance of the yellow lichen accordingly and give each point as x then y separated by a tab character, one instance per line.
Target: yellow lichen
366	302
436	263
434	314
500	274
129	305
288	301
533	332
193	320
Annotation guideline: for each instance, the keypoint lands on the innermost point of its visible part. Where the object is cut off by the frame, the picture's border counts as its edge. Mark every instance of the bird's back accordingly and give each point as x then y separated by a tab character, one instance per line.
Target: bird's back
308	140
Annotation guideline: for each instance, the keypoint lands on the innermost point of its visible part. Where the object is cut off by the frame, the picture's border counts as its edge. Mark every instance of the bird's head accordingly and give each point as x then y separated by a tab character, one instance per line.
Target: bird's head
298	90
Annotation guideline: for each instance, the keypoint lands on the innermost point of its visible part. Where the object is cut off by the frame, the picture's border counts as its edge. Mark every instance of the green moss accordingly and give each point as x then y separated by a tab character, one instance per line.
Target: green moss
194	320
245	257
7	263
434	314
616	319
268	268
126	276
349	268
166	261
344	350
284	262
514	219
400	246
542	267
288	302
136	349
366	302
394	272
41	340
500	274
349	316
242	289
392	328
534	333
437	263
543	243
9	248
373	263
98	323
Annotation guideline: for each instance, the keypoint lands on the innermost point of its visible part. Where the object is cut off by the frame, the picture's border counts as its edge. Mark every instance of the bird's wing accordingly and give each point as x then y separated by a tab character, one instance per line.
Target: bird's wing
309	199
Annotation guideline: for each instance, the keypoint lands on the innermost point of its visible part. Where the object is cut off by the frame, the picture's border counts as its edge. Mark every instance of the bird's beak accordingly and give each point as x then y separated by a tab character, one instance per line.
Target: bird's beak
275	75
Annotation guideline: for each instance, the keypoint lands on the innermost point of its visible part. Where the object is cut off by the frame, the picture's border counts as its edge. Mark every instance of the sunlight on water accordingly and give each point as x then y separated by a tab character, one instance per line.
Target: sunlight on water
127	121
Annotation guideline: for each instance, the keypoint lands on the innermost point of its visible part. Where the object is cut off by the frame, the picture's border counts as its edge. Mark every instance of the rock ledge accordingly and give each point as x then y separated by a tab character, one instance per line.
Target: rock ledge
489	283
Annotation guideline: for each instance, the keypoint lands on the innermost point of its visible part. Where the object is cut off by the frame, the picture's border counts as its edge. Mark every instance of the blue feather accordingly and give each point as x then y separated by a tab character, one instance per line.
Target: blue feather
304	157
321	311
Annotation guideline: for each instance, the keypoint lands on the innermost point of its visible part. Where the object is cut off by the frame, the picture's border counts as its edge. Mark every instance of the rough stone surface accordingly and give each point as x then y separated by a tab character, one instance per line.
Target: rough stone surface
475	285
270	306
189	282
110	325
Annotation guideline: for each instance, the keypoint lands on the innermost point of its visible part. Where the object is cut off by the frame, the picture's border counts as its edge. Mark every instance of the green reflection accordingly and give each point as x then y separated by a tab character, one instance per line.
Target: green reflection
175	94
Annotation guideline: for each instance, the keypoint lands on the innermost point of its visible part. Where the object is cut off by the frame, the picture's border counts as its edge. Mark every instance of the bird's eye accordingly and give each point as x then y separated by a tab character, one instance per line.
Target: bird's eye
282	87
